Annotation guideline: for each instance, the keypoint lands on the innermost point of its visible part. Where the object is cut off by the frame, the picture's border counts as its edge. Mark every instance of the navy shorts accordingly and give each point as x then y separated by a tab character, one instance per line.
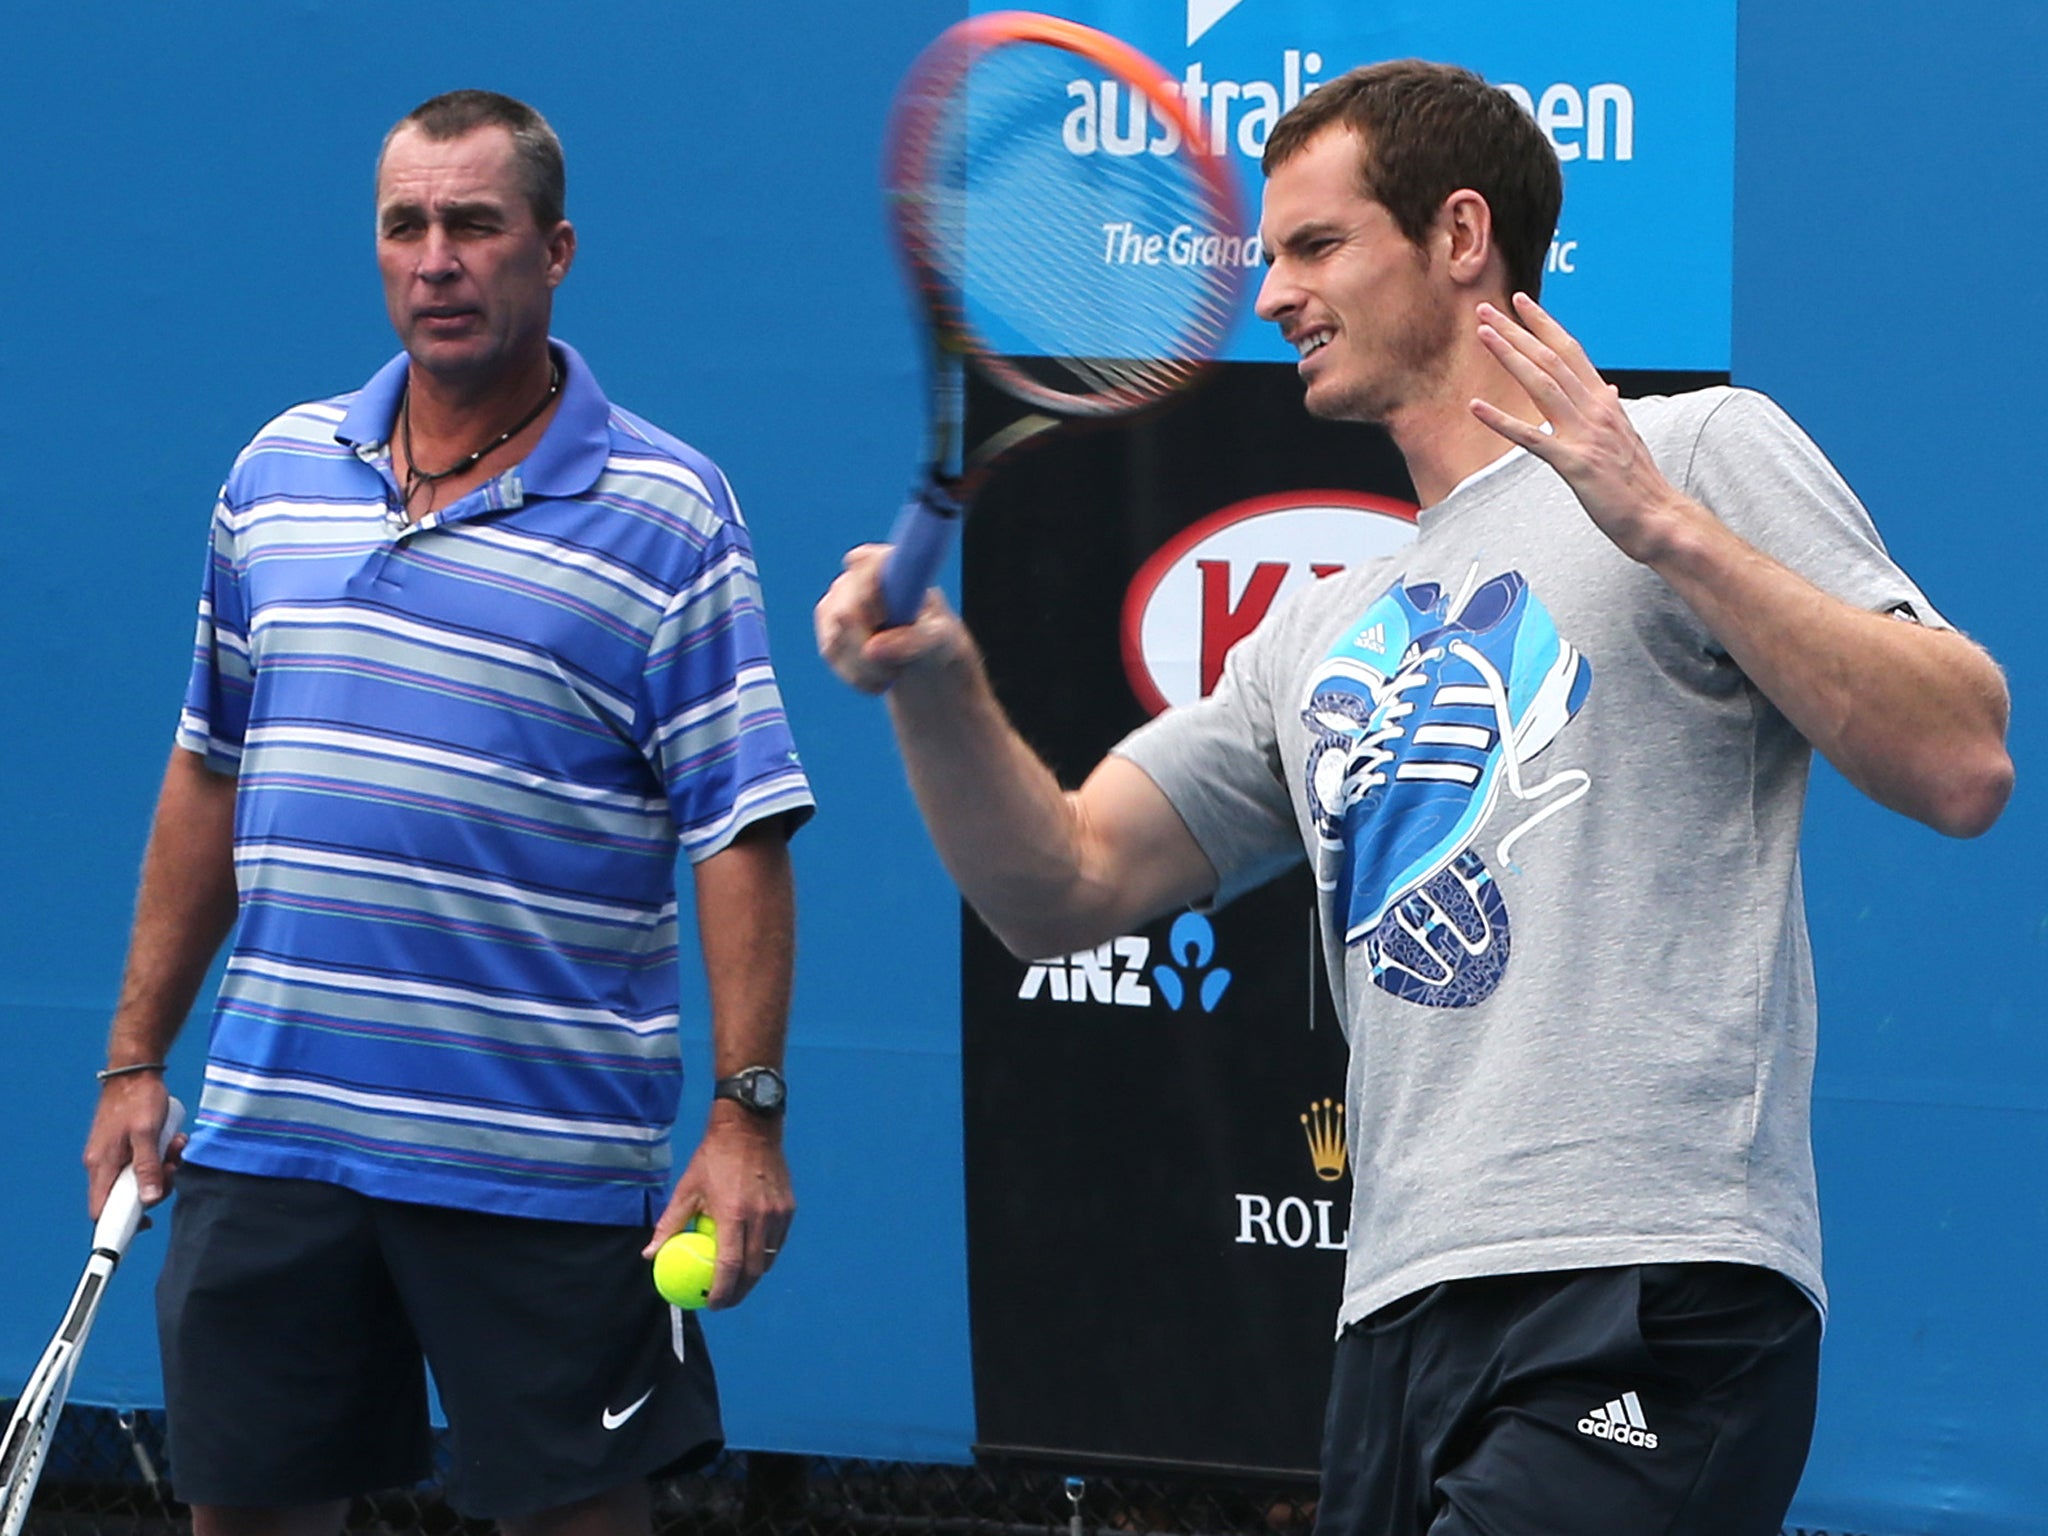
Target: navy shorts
1675	1398
298	1319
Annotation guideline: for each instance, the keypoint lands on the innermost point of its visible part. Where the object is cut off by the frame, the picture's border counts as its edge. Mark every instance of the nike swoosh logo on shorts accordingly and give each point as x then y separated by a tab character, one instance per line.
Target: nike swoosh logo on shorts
614	1420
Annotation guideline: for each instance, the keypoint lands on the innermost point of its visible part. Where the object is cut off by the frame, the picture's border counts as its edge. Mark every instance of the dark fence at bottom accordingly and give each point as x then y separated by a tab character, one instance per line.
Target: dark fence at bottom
107	1476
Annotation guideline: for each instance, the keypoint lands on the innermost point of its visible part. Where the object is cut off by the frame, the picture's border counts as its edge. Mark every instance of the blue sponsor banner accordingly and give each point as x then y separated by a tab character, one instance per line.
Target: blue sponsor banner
1639	102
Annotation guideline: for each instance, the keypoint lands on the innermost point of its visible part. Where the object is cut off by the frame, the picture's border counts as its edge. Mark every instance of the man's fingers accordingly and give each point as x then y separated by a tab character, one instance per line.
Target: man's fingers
862	554
845	626
1516	349
749	1254
664	1229
856	644
1568	359
741	1262
1549	346
728	1270
859	585
772	1236
155	1171
853	635
1542	324
747	1244
1516	430
149	1168
97	1186
1513	428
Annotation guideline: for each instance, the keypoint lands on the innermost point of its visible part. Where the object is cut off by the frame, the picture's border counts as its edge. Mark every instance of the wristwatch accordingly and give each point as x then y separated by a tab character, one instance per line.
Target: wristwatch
760	1089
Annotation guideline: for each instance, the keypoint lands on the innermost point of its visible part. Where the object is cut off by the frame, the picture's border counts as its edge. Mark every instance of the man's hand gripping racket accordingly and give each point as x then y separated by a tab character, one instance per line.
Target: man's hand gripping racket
1084	281
29	1432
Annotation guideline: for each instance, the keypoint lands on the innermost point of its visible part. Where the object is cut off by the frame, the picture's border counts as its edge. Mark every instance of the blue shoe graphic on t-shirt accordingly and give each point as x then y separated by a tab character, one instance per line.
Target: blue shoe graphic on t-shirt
1355	713
1445	944
1408	762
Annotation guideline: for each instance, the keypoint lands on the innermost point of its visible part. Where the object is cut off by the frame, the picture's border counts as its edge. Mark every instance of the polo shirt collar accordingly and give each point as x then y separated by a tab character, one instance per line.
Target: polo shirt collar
566	461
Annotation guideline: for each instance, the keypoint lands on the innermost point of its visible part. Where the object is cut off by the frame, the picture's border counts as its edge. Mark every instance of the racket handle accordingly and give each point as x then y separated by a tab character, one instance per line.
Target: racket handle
922	535
122	1214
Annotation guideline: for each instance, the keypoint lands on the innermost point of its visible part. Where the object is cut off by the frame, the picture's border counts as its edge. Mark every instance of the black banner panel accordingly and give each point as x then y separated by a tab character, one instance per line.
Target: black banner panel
1157	1182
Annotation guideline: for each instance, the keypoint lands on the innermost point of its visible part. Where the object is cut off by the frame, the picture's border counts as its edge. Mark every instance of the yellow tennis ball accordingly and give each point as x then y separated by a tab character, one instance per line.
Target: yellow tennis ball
702	1222
684	1268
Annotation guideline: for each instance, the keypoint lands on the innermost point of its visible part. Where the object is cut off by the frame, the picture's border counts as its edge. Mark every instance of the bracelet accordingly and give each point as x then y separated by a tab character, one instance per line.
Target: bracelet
105	1074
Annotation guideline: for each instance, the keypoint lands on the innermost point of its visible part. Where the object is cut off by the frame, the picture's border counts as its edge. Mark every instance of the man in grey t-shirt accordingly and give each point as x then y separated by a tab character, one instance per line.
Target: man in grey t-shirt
1547	764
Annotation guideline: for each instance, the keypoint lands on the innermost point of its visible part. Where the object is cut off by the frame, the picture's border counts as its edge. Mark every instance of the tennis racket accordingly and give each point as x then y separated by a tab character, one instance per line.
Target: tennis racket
1068	232
34	1424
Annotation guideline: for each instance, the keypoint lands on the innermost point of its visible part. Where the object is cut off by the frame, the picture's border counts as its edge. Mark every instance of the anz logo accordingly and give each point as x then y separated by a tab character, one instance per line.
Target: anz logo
1109	973
1120	973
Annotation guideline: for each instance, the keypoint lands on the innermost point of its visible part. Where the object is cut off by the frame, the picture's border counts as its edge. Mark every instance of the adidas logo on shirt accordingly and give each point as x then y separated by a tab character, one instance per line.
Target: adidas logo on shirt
1622	1421
1374	639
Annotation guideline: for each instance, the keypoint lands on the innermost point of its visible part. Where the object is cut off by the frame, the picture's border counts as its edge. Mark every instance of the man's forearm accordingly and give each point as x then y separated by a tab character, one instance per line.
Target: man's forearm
185	908
1049	871
746	925
1006	831
1914	717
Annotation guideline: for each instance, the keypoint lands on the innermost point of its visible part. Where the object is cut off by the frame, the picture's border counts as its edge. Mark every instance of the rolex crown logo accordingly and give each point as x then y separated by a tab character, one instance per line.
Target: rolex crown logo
1323	1125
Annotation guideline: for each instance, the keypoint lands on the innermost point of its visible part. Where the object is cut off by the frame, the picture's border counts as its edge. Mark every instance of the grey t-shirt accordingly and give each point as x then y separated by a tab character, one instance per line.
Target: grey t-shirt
1555	835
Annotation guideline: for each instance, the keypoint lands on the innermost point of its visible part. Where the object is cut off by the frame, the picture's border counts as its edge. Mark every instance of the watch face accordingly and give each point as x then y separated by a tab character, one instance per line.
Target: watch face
759	1088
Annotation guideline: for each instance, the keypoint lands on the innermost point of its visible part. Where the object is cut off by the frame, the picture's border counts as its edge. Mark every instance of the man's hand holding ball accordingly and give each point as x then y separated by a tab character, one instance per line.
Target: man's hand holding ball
686	1265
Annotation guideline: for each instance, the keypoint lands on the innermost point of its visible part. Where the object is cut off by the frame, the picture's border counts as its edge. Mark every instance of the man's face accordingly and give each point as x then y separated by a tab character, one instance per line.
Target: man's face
1348	290
469	277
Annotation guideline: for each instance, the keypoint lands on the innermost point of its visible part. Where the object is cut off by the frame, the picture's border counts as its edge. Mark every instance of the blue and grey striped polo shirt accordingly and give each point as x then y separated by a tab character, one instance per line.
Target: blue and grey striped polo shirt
468	752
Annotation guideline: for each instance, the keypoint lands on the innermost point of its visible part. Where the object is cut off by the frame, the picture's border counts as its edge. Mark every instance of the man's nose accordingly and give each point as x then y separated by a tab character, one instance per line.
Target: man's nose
437	256
1275	296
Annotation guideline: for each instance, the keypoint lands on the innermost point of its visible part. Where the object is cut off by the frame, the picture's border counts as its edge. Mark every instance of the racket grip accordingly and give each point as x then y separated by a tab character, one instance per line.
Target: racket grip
122	1214
922	535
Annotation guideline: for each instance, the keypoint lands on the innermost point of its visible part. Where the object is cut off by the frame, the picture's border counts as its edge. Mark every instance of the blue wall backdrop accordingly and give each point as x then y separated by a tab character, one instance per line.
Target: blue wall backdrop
198	180
189	249
1869	138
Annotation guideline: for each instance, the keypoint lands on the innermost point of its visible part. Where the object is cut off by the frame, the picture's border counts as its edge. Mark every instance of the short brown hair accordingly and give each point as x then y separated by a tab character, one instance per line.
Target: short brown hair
1425	131
538	152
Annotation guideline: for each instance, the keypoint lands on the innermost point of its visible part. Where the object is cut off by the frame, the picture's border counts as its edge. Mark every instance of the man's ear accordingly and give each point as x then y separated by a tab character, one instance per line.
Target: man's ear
561	251
1464	237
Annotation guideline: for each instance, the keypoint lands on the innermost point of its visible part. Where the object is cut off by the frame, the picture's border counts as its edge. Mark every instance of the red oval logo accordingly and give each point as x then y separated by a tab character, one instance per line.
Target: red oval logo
1208	587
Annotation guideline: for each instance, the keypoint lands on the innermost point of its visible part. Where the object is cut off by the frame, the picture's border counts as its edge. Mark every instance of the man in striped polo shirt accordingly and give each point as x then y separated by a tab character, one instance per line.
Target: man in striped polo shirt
478	652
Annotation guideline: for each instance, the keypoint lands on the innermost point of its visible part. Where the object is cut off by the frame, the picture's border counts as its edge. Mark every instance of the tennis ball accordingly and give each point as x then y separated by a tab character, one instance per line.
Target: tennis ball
684	1268
702	1222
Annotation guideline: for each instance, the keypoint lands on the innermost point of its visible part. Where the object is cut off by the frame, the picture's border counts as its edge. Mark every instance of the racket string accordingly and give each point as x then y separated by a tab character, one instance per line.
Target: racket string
1090	282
